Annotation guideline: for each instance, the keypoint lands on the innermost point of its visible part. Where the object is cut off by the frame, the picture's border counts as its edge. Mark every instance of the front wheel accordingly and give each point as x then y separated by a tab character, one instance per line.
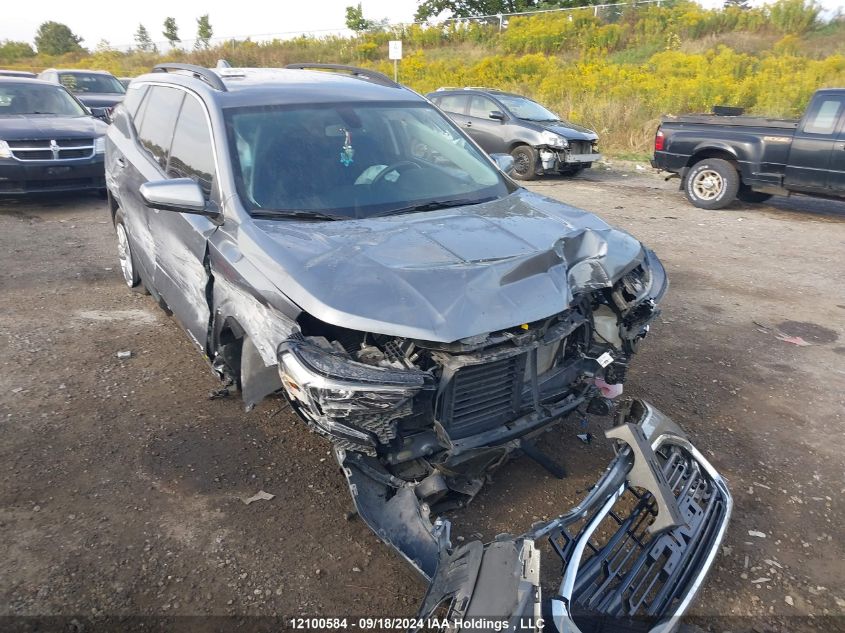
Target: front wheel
128	265
712	184
524	162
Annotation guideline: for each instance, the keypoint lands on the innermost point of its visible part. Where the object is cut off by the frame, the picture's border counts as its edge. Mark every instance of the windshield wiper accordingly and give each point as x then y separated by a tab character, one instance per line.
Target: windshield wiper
302	214
431	206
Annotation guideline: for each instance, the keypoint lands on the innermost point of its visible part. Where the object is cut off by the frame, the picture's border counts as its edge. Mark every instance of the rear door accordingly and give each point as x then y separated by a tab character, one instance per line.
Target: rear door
487	132
812	147
181	238
456	107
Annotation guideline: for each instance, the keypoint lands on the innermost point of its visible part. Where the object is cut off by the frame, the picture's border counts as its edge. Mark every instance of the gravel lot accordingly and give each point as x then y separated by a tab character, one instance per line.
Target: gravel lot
121	481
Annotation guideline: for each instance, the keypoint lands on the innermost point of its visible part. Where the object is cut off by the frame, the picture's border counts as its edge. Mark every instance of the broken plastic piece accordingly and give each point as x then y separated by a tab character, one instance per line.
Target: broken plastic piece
646	474
795	340
258	496
609	391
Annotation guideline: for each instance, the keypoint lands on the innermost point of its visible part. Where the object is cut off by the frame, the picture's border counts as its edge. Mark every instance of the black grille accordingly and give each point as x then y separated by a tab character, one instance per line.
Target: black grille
627	572
481	397
580	147
42	149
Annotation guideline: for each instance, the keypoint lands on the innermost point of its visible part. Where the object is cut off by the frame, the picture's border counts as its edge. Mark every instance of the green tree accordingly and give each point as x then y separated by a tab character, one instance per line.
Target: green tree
355	20
11	50
204	32
55	38
171	32
143	40
474	8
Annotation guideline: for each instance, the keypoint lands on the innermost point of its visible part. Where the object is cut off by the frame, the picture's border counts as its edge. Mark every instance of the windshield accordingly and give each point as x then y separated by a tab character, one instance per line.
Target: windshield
32	98
523	108
91	82
355	161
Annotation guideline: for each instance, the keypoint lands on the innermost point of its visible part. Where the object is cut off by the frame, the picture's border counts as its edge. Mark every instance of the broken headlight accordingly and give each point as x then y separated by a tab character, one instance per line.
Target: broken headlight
646	281
553	140
329	385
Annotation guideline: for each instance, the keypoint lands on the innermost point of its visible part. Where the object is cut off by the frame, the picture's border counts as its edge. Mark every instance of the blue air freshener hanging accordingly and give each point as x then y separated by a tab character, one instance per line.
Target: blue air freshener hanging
347	152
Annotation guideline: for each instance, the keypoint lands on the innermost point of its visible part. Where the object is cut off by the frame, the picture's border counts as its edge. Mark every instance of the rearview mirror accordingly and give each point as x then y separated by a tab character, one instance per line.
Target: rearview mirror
101	113
179	194
496	115
504	162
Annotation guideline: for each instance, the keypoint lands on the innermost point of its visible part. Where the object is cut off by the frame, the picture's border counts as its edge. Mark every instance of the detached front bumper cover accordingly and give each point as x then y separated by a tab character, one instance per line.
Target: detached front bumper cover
633	552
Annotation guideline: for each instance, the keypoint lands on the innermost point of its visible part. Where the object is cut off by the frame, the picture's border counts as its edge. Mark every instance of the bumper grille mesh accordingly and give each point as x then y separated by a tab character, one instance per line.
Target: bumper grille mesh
627	573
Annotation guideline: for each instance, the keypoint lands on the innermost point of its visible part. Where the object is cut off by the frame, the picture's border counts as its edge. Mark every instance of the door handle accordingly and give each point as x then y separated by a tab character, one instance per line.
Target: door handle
840	145
120	162
469	123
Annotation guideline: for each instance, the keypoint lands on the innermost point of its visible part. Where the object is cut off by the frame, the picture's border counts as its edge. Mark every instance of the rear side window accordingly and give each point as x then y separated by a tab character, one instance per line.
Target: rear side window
156	131
824	116
454	103
133	98
481	107
191	155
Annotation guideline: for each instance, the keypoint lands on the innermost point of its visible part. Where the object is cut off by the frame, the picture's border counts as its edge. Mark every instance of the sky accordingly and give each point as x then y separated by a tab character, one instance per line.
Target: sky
116	22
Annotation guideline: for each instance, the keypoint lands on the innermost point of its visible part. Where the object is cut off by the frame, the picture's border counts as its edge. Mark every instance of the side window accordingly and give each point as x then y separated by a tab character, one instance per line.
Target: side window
191	155
481	107
156	130
454	103
824	116
133	98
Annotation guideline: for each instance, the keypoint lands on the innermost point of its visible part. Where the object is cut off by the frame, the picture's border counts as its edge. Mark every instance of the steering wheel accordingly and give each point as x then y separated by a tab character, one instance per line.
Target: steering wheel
399	166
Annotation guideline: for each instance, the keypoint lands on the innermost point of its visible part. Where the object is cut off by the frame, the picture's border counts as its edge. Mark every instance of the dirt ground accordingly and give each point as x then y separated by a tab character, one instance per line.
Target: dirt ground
121	482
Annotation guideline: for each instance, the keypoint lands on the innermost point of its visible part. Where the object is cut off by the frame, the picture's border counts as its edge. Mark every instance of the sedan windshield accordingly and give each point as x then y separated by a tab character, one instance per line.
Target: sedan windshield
344	161
91	83
526	109
33	98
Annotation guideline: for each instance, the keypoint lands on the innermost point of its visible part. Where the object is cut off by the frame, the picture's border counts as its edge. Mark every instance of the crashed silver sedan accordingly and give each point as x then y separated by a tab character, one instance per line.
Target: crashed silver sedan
333	238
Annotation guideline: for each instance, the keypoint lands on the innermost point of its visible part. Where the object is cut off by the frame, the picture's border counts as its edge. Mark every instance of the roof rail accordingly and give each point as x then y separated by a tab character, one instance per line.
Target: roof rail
360	73
441	88
204	74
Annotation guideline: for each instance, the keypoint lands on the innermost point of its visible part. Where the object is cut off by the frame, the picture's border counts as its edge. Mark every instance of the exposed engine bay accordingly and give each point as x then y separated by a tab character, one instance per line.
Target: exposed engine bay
440	416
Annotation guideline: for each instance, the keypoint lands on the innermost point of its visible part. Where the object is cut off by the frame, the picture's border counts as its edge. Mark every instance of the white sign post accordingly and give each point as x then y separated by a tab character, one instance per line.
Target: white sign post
394	52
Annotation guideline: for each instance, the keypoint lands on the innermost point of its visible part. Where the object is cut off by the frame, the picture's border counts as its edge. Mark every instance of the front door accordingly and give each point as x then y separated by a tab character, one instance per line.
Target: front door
181	238
812	148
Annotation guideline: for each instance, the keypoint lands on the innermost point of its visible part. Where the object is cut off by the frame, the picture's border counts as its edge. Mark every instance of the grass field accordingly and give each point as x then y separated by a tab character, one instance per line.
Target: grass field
616	71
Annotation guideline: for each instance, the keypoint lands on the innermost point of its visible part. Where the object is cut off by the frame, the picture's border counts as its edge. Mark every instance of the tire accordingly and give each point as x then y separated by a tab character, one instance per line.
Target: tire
524	162
712	183
747	195
128	264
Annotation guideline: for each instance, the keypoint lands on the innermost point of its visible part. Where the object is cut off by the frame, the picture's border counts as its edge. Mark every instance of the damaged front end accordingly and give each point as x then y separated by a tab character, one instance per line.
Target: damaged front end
629	557
417	427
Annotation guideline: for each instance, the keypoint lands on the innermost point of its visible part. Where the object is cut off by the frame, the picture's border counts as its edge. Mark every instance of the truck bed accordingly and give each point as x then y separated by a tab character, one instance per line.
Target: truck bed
732	121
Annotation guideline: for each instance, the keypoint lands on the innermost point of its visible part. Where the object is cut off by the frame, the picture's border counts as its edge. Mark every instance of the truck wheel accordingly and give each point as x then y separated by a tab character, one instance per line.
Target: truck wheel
524	162
747	195
712	184
128	265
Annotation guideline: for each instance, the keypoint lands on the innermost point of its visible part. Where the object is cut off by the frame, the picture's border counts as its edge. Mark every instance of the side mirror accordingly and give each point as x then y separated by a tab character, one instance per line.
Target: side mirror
497	115
504	162
101	113
182	195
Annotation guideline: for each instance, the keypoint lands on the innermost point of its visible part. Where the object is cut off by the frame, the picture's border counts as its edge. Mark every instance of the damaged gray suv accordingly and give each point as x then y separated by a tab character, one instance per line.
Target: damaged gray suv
325	233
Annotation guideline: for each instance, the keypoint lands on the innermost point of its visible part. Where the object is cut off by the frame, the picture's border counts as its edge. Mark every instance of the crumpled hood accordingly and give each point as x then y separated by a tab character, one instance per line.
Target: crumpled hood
33	127
570	131
443	275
